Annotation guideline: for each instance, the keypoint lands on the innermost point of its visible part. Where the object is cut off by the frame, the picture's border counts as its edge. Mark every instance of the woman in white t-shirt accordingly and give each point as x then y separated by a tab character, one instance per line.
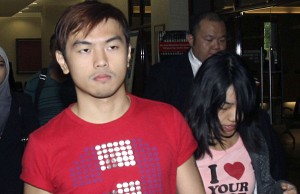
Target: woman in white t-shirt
232	155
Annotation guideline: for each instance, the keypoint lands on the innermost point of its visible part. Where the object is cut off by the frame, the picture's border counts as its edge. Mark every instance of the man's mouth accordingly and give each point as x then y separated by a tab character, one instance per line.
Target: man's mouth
102	77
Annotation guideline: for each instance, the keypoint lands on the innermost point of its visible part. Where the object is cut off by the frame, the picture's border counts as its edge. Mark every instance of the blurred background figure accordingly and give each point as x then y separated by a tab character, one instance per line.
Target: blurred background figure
50	89
170	80
17	120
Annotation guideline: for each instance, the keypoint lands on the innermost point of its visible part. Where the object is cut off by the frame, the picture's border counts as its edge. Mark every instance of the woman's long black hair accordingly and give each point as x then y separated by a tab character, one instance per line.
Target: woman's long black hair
208	94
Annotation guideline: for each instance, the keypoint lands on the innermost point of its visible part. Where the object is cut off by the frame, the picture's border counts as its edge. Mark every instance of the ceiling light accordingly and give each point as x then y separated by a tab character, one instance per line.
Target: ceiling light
275	10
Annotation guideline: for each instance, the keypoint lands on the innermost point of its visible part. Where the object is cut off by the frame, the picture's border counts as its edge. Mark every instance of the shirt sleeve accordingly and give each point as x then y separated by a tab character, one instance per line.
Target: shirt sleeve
35	165
186	141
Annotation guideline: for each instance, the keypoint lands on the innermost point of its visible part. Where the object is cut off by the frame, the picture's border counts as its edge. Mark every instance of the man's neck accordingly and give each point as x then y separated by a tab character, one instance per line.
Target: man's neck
102	110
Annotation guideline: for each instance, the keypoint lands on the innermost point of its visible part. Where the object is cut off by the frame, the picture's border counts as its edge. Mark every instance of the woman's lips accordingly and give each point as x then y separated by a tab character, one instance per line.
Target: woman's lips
229	128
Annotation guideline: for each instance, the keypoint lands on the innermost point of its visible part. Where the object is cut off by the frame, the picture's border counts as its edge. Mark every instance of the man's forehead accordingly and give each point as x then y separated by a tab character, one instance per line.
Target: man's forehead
211	23
213	28
85	33
85	30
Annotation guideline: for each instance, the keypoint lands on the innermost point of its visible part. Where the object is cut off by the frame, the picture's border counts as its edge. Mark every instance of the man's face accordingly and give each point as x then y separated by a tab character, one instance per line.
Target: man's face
209	39
97	62
2	70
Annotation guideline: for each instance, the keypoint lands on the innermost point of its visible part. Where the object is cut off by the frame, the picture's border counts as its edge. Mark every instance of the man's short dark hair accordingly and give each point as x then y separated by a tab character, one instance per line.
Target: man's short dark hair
195	20
85	16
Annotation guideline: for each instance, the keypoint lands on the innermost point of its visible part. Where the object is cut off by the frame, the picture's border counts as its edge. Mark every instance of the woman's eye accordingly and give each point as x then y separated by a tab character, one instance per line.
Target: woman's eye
223	108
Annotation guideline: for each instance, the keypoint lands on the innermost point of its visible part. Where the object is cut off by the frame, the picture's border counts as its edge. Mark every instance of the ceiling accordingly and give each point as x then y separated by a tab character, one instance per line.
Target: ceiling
9	8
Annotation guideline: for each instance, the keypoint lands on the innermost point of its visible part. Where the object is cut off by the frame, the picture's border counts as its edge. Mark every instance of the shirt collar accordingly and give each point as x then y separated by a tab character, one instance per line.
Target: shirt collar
195	63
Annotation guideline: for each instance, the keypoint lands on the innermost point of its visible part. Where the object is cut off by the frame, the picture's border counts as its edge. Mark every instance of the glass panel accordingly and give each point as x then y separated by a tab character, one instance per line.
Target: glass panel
275	29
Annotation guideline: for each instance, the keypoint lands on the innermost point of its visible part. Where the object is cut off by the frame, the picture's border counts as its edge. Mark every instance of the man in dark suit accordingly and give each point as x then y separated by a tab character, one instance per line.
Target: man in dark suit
170	80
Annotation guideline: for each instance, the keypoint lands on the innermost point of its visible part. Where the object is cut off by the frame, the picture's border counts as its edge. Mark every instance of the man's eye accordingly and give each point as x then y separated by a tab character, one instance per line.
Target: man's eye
113	47
85	50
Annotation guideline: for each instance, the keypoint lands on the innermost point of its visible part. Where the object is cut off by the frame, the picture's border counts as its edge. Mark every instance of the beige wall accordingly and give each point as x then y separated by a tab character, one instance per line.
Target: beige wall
171	13
40	26
50	16
12	28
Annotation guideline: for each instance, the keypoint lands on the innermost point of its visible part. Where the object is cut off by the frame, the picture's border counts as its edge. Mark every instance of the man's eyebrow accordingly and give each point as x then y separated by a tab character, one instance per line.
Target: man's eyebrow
84	42
209	36
113	39
213	36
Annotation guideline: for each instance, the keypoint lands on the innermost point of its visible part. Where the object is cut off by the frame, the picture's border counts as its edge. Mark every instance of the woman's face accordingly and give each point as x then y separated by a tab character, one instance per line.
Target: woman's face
227	114
2	70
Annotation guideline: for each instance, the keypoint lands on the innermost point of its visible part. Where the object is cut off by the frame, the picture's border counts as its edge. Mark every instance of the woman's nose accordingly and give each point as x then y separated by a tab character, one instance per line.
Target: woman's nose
232	115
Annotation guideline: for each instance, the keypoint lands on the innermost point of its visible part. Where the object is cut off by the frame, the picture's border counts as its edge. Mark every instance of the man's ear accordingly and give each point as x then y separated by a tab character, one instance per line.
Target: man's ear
62	62
190	39
129	56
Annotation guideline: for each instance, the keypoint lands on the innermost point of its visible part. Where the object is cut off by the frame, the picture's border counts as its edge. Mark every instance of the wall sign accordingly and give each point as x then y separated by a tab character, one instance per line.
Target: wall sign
28	55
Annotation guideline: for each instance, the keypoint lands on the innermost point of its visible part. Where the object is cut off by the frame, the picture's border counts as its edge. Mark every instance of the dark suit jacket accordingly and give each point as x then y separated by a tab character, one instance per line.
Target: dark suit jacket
170	81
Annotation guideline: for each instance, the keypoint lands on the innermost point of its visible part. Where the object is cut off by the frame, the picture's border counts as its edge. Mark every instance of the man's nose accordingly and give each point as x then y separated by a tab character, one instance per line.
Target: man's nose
100	58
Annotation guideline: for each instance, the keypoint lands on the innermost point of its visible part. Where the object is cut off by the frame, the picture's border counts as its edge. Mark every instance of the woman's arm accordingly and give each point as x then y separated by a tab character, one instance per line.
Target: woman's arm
265	182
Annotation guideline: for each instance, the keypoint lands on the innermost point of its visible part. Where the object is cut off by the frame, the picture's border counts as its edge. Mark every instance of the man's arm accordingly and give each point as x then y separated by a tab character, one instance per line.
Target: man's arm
189	179
29	189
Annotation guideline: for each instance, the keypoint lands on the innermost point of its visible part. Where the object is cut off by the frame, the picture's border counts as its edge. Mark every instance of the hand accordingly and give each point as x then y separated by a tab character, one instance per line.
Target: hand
288	188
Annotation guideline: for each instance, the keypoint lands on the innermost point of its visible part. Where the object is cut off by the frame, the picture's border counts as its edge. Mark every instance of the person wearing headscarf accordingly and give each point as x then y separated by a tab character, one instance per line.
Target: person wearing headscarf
5	96
17	120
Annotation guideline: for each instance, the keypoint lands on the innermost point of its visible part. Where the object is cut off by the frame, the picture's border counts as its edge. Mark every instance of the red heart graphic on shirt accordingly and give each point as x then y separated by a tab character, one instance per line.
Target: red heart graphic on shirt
235	170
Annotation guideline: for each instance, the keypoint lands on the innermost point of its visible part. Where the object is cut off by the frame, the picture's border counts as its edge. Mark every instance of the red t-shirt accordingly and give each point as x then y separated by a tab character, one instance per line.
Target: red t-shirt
140	151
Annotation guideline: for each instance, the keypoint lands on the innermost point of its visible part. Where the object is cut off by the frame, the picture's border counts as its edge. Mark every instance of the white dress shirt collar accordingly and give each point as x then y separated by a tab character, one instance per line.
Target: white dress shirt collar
195	63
